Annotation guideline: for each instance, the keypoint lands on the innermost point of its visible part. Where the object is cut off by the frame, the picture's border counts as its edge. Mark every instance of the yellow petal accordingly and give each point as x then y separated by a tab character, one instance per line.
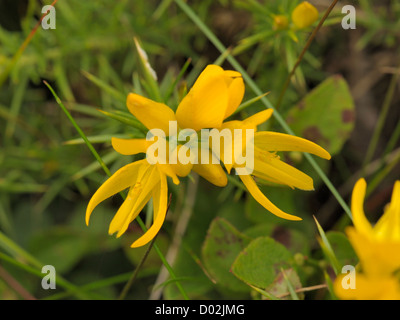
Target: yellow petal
281	171
357	208
376	257
236	91
124	211
153	115
167	170
388	226
304	15
263	200
368	288
182	169
212	171
274	141
260	117
149	182
120	180
161	205
131	201
130	146
206	103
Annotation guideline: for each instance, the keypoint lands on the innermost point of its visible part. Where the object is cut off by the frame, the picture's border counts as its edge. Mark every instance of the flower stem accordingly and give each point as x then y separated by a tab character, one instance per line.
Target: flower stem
381	120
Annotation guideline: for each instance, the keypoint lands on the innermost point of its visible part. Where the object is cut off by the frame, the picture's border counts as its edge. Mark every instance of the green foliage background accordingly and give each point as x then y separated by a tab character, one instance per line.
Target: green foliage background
343	96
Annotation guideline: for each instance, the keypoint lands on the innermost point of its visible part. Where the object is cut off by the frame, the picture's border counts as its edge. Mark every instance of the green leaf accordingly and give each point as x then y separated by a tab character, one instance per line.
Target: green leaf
260	262
325	115
222	245
286	281
342	247
327	248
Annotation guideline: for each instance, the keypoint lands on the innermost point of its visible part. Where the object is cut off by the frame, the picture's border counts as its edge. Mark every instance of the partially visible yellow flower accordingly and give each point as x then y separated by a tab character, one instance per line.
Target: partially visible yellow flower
304	15
369	287
144	181
267	164
377	247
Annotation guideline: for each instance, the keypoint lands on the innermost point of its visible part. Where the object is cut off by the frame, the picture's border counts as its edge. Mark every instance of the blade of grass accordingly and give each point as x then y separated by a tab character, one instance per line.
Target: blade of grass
306	46
381	120
248	103
327	248
217	43
16	251
15	285
290	287
264	293
78	129
105	86
150	76
178	78
21	49
18	96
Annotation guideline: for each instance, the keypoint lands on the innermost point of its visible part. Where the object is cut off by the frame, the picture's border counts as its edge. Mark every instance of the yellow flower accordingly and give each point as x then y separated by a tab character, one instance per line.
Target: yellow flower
267	165
281	22
369	287
377	248
304	15
215	95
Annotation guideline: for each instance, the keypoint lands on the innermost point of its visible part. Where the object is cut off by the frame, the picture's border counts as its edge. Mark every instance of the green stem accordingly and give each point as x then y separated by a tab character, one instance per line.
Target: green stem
133	277
15	250
381	120
307	45
79	130
217	43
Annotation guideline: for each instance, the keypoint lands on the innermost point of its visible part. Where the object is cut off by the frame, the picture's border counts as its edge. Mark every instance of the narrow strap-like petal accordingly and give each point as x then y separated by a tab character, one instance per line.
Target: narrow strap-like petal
120	180
263	200
131	201
147	184
357	208
274	141
388	226
283	172
153	115
130	146
161	206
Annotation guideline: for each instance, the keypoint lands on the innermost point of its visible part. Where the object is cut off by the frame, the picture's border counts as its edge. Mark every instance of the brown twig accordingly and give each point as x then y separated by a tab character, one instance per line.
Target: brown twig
307	45
15	285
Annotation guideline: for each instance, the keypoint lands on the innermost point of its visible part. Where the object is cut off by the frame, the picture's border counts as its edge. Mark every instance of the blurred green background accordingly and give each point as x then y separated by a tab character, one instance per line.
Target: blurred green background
345	88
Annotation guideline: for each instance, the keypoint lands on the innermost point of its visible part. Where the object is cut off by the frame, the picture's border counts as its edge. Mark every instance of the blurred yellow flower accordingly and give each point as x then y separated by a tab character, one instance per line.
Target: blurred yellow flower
377	247
281	22
304	15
